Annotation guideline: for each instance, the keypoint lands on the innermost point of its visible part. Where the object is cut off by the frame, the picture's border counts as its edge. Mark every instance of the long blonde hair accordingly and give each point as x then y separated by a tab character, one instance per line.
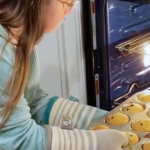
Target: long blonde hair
27	15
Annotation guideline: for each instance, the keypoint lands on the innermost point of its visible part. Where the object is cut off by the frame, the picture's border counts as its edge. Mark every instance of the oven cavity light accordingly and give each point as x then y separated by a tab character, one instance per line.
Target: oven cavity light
146	60
147	49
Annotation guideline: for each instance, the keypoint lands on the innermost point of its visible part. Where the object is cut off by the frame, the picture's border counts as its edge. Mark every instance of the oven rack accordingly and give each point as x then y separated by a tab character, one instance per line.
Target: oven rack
140	44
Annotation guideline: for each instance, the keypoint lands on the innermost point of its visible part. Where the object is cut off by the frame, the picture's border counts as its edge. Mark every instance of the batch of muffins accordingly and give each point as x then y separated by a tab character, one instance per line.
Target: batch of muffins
133	118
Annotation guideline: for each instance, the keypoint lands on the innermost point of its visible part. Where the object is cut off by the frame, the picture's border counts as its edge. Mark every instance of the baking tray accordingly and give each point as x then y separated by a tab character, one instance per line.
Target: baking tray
127	127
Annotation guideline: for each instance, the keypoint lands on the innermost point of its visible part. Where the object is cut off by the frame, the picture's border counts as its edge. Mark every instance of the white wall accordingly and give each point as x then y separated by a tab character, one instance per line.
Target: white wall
62	60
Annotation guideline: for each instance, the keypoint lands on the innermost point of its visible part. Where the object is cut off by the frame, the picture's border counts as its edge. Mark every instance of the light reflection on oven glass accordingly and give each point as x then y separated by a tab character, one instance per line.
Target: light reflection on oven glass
146	60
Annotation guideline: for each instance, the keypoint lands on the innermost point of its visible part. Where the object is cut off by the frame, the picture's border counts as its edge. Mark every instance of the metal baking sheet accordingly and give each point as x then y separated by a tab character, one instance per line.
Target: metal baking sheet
127	127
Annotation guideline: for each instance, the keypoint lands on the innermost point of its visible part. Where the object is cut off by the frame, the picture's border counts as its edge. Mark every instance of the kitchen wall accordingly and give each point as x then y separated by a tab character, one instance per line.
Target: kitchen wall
62	59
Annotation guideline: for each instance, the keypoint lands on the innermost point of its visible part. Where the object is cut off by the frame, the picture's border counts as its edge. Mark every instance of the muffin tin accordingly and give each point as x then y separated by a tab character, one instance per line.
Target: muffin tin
144	136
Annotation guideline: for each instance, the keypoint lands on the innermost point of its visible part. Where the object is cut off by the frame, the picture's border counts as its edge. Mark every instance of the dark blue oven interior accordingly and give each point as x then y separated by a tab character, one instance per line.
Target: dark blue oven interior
129	72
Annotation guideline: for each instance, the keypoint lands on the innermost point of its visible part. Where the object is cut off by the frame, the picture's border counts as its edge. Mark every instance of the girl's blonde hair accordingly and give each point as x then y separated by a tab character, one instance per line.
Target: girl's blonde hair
26	15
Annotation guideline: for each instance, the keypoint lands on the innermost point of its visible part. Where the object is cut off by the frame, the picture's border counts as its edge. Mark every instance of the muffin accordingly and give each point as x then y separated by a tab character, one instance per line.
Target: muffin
132	108
133	138
142	125
145	97
117	119
146	146
148	114
99	127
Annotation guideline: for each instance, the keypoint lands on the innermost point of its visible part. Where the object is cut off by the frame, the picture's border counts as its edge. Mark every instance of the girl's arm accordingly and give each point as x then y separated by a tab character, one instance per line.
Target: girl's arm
83	116
22	133
46	109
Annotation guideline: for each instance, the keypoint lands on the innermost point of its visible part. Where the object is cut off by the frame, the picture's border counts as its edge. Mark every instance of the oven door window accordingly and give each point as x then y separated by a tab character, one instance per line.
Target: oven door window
128	45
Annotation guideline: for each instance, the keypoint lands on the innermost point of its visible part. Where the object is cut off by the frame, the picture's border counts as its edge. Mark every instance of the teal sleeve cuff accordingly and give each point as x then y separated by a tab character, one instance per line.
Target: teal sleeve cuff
48	109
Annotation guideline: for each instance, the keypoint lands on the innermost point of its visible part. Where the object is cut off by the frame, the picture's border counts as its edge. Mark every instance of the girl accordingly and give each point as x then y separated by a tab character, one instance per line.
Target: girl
29	118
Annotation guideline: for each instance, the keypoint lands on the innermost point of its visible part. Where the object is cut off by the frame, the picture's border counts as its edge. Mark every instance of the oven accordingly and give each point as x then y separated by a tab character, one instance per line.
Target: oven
120	40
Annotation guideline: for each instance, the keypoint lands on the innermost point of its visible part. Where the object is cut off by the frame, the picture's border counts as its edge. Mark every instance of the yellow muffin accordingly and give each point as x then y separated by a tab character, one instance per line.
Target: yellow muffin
145	97
148	114
133	138
142	125
117	119
133	108
99	127
146	146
